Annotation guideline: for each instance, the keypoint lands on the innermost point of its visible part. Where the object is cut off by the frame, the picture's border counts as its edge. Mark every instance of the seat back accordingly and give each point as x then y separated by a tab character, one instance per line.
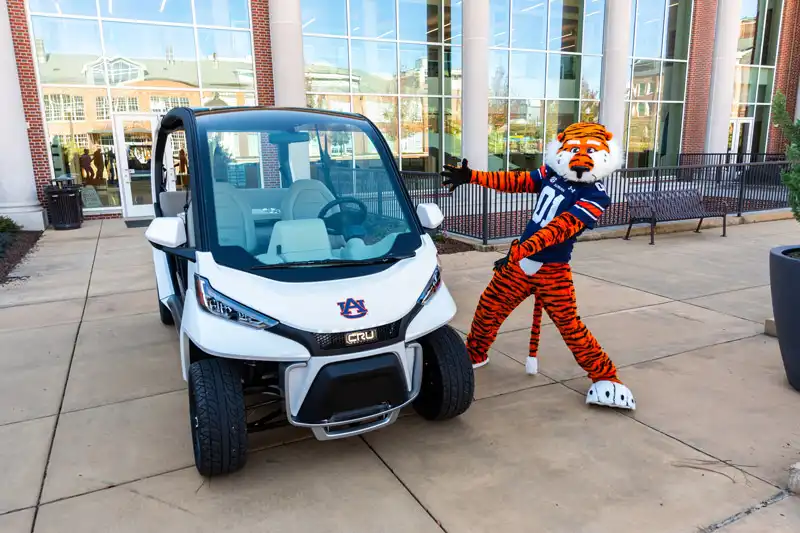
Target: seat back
172	202
305	199
299	240
235	223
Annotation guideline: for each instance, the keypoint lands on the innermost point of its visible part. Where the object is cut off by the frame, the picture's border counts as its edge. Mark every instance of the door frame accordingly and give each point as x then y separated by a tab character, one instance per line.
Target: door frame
129	210
737	122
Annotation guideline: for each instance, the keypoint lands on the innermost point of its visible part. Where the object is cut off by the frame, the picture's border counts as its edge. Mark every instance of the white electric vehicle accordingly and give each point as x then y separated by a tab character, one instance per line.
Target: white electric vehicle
302	282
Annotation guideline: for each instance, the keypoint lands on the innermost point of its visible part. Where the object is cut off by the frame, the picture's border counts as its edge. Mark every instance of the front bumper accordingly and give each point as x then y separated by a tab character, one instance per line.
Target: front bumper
339	397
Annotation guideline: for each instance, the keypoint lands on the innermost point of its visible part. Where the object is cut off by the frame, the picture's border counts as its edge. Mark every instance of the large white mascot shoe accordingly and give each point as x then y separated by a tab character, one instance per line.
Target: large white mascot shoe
482	363
611	394
532	366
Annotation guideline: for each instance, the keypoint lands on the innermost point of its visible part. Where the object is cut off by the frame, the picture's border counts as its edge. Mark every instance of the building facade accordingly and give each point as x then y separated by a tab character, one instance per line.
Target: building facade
82	82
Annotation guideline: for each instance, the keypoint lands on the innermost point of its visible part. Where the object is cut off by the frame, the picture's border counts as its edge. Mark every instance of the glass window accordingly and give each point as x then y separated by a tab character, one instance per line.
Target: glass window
333	102
452	21
324	16
529	24
64	107
162	104
527	74
526	134
155	10
760	128
593	19
452	70
143	52
566	18
498	73
382	110
669	134
649	28
590	110
642	134
646	81
591	68
373	18
745	84
498	22
226	59
374	67
560	114
676	41
326	69
772	21
231	13
419	69
121	104
452	131
227	99
420	134
673	81
498	134
419	20
563	76
68	51
748	32
63	7
764	91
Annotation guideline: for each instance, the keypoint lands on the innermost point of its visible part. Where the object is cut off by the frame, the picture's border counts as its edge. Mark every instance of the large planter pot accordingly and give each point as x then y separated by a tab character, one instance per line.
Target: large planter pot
784	278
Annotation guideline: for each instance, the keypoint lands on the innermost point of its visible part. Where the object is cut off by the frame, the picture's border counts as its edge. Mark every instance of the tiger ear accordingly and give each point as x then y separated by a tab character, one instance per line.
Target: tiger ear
609	135
560	136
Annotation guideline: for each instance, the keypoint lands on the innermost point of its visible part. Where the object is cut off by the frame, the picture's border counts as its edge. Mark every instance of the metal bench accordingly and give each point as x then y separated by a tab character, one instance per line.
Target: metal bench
663	206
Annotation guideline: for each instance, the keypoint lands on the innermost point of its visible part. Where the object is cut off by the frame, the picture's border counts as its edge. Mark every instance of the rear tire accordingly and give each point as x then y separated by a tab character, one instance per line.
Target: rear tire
217	417
448	383
166	314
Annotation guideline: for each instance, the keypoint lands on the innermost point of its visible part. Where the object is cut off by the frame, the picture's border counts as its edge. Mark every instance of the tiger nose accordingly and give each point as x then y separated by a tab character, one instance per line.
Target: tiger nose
580	170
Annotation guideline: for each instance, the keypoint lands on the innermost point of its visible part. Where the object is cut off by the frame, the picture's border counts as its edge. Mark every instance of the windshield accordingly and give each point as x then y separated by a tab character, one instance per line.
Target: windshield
315	194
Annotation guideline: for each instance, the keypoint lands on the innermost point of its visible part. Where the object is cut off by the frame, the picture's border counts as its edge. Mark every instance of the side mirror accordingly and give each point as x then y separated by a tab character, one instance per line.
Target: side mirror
167	232
430	215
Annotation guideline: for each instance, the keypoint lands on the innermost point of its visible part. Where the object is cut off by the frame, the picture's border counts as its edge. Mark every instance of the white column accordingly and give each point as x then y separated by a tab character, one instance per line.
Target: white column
723	71
17	184
475	84
797	103
286	39
615	76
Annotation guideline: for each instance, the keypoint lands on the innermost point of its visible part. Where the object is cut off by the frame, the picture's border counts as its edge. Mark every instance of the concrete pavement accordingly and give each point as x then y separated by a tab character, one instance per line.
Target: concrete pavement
93	411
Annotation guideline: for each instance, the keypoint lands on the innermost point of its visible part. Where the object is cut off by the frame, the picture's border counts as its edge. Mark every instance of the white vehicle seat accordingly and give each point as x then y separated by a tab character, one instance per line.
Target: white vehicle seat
305	200
172	202
298	240
235	224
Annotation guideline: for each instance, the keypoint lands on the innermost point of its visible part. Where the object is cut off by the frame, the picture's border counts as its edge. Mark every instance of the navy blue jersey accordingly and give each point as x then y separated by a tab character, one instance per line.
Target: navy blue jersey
587	201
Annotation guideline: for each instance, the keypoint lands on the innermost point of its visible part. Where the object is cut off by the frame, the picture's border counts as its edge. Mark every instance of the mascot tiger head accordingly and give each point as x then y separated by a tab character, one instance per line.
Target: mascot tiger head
584	152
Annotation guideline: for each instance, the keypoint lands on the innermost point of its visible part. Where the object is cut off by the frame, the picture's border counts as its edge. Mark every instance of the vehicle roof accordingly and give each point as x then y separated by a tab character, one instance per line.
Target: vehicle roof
248	117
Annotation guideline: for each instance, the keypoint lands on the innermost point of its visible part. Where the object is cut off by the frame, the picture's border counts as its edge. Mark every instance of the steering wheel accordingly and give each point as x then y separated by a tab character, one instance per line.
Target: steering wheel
338	223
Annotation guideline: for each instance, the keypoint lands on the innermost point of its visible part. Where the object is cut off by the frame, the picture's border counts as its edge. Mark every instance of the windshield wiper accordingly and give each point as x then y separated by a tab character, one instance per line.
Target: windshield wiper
336	262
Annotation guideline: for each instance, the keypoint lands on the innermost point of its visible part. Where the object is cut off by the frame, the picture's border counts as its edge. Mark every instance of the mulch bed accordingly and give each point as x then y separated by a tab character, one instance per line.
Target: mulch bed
451	246
14	248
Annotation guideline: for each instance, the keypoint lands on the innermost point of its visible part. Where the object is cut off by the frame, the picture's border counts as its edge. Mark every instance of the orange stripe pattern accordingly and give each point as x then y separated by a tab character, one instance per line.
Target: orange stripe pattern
561	228
515	181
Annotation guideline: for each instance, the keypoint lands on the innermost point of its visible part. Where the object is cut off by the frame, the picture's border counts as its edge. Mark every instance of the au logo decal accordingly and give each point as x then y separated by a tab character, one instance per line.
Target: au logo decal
352	308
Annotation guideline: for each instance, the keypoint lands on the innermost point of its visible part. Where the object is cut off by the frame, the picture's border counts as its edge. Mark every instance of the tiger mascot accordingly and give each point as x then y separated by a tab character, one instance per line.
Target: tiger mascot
571	198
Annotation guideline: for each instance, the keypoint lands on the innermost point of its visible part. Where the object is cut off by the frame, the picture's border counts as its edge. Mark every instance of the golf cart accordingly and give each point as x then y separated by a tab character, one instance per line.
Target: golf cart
303	285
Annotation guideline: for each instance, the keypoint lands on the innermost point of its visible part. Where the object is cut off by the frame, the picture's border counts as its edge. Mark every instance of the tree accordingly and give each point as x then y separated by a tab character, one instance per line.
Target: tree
791	131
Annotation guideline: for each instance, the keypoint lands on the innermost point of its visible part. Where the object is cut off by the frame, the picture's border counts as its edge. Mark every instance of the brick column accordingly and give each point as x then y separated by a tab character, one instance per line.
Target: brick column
31	104
259	13
698	79
787	69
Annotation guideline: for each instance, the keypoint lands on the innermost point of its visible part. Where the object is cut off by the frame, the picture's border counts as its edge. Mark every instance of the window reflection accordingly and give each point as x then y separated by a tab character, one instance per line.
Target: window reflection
498	73
498	134
333	102
559	116
745	84
591	68
764	91
232	13
419	20
566	18
155	10
68	51
529	24
452	70
373	18
382	110
527	74
374	67
141	53
669	134
642	130
452	131
590	110
646	79
420	134
498	22
649	28
593	18
452	27
420	67
563	76
227	99
226	59
673	81
326	64
526	134
676	41
324	16
63	7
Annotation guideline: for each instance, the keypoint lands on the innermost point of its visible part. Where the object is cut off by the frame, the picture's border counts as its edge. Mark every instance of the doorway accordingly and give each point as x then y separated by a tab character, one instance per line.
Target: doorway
740	140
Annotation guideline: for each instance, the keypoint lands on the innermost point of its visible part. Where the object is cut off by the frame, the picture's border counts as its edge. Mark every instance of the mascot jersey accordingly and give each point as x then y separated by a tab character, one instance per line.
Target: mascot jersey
585	201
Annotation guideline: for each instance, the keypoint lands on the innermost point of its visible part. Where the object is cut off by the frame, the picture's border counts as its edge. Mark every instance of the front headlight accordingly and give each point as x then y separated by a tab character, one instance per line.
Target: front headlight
433	285
220	305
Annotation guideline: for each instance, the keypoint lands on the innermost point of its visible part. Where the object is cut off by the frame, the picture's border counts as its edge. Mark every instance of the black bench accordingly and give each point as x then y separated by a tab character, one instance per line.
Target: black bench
664	206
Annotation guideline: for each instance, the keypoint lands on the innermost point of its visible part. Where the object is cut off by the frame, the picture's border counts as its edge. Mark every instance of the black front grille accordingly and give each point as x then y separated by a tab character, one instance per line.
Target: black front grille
336	341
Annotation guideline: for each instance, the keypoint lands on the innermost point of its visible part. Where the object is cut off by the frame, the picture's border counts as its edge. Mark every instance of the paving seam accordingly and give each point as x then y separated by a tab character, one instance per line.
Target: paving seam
775	498
66	381
721	312
389	468
117	402
4	513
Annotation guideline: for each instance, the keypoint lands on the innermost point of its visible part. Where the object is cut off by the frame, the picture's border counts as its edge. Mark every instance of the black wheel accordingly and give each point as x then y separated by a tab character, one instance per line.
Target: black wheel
217	417
448	384
166	314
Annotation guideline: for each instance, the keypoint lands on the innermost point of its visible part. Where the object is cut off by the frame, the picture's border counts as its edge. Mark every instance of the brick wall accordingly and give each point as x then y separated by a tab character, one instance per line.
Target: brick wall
698	78
787	68
40	151
265	90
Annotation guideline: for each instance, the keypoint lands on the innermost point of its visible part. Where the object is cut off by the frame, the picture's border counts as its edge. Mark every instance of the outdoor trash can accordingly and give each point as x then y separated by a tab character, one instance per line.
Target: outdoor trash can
64	205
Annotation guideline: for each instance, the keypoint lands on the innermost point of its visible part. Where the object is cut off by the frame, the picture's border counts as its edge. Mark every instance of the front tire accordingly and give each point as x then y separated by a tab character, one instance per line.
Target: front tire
448	383
217	417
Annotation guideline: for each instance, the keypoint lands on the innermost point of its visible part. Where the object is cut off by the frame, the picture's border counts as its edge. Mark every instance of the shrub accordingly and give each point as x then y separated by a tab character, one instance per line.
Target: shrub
7	225
791	130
